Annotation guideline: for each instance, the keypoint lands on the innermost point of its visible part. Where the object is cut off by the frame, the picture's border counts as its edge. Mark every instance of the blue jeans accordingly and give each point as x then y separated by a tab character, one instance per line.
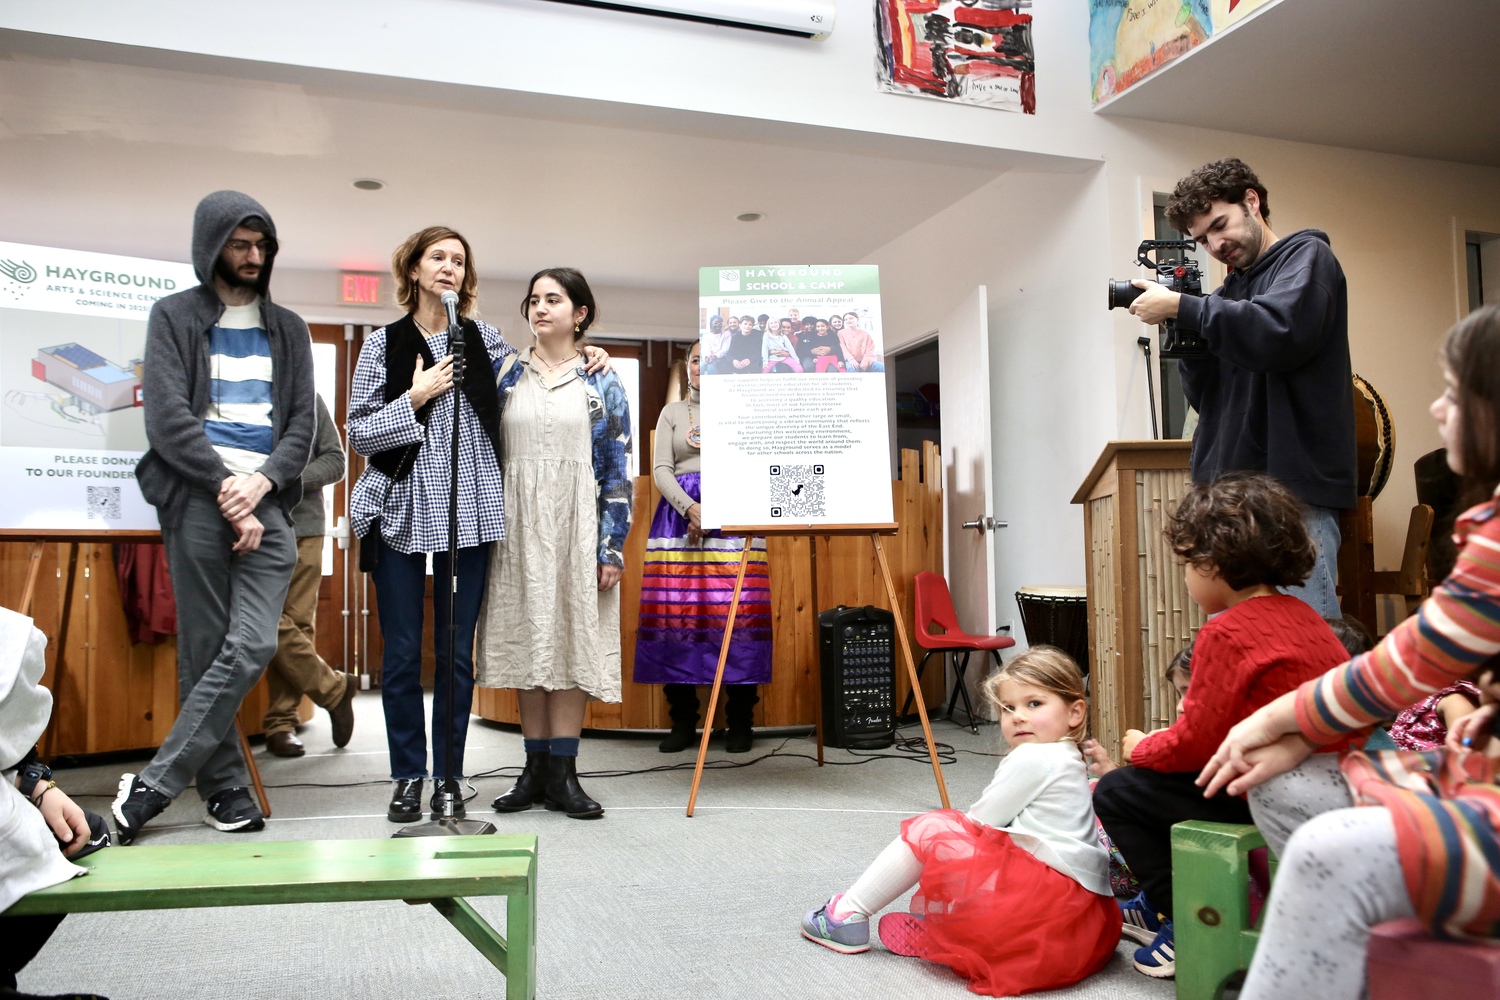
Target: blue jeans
1322	524
400	590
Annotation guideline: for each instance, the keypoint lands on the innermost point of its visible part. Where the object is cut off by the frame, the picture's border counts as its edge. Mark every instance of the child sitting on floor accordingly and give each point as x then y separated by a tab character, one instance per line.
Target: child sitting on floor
1241	538
1013	895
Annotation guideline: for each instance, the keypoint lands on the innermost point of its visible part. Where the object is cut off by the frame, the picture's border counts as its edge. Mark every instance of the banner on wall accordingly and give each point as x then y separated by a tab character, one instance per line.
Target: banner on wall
794	425
72	340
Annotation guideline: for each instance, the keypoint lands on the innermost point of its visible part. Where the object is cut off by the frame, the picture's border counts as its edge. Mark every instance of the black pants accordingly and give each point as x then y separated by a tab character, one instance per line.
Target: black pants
1138	808
20	939
682	700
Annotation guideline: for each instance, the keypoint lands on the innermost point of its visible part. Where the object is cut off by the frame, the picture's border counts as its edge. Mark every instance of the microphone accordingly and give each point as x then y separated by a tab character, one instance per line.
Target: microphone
455	335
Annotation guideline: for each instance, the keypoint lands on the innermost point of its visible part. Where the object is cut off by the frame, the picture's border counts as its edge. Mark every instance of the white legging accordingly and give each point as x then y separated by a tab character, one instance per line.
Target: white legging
894	871
1339	876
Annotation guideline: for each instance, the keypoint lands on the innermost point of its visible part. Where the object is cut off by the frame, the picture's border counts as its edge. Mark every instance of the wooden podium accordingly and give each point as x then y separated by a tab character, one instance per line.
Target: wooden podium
1140	613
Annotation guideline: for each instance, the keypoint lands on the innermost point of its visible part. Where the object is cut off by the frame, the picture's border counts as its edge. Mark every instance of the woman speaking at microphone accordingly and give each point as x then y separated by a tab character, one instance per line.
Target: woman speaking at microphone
401	419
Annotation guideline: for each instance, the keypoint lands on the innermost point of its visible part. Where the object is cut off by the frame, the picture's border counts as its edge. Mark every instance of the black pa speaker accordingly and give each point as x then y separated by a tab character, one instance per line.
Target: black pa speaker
857	652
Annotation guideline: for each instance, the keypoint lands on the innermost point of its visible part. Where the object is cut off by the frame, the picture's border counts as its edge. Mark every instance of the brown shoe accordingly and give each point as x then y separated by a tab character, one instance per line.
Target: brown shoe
284	744
342	712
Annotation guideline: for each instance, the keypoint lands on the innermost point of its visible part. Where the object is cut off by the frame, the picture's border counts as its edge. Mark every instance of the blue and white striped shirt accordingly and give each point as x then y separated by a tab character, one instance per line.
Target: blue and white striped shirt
238	422
415	517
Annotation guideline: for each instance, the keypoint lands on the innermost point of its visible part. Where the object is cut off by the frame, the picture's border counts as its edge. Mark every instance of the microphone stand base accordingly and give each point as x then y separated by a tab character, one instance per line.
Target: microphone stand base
447	827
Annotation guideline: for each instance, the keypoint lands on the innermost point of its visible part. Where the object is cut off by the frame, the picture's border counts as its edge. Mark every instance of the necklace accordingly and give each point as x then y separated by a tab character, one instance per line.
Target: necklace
552	366
423	328
695	431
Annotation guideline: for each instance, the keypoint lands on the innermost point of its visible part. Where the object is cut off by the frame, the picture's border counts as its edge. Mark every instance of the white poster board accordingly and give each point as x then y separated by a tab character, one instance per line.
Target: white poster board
72	339
799	436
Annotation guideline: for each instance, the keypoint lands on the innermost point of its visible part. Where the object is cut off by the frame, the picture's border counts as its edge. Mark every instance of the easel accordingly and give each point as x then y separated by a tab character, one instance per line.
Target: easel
39	542
813	532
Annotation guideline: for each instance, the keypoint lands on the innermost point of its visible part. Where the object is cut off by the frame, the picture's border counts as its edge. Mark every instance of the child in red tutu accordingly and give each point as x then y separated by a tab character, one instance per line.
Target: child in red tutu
1013	895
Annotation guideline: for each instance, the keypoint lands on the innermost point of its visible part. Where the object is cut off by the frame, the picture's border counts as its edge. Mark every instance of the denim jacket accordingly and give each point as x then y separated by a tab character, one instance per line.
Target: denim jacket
609	417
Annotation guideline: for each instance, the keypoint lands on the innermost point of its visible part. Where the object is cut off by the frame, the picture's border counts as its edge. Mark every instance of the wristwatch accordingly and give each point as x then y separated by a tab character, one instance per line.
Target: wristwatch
30	773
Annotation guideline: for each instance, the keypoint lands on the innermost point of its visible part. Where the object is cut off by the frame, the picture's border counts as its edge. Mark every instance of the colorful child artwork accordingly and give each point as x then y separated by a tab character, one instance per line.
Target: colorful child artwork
1128	39
968	51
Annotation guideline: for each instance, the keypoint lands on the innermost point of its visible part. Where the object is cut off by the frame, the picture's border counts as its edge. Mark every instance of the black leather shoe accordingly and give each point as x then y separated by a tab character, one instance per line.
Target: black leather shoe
284	744
529	788
456	787
738	740
342	712
406	801
564	793
678	740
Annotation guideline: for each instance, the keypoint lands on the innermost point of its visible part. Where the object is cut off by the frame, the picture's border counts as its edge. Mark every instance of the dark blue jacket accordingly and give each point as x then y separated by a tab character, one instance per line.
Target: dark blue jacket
1277	394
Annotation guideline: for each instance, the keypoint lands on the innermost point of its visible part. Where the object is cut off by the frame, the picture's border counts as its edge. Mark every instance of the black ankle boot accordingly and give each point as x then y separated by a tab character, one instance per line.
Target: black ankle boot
406	801
682	704
740	712
564	792
529	788
437	797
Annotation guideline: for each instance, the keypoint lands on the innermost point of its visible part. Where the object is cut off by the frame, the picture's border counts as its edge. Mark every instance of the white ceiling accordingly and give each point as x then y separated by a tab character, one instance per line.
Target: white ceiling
1394	76
109	157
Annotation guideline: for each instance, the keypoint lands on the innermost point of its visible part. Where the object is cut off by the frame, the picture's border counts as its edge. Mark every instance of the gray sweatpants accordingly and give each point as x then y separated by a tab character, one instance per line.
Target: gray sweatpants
1339	876
228	608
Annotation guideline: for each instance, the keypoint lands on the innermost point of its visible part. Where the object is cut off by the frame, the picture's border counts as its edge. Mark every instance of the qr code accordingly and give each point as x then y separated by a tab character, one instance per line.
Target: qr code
797	491
104	503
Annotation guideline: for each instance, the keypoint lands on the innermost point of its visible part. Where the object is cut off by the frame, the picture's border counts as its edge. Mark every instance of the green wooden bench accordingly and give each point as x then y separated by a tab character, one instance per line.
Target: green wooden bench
1211	903
441	871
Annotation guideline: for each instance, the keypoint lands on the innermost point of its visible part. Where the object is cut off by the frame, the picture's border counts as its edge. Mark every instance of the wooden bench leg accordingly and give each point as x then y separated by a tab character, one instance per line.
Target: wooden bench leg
520	925
1211	904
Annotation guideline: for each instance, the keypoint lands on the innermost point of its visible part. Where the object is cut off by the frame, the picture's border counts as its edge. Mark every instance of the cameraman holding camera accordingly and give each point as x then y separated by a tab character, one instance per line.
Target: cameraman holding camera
1275	394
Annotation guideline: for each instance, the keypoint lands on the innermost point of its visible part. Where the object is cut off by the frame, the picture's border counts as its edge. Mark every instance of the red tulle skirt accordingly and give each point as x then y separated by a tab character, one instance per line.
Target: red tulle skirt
999	917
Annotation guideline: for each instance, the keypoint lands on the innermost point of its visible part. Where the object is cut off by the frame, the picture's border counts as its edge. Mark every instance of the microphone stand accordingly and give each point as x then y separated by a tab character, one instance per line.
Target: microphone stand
449	825
1145	344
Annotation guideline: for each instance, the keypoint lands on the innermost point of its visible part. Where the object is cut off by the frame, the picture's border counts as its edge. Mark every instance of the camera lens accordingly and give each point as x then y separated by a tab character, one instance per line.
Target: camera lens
1122	293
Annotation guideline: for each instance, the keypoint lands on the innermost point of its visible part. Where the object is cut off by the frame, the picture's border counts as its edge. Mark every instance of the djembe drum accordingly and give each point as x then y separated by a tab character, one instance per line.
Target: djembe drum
1057	616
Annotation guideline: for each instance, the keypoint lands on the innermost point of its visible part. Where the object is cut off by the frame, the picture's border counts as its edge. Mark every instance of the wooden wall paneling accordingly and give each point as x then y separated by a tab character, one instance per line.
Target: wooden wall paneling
1132	564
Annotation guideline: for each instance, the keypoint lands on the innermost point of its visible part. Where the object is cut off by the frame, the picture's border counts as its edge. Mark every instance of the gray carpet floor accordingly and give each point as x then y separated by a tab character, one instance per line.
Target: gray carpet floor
644	903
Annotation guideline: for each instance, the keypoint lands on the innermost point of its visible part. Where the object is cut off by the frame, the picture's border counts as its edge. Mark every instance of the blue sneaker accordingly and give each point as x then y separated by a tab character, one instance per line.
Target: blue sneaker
1140	921
849	936
1159	958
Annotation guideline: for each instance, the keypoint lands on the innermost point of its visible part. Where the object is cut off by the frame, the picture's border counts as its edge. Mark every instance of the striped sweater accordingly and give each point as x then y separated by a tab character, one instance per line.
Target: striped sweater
1446	807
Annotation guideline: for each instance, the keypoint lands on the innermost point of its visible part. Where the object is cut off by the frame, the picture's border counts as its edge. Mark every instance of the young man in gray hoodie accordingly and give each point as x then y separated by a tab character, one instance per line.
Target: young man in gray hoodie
229	407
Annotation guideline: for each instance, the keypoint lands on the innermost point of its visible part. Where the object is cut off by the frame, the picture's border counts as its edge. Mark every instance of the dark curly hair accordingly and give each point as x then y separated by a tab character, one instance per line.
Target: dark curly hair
1222	180
1248	527
1472	354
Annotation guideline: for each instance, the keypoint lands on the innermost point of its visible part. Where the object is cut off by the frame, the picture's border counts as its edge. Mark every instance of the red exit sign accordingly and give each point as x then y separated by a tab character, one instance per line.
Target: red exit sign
361	289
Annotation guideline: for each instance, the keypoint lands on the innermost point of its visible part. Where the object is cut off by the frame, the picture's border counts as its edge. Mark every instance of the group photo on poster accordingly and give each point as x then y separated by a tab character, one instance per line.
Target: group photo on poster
789	448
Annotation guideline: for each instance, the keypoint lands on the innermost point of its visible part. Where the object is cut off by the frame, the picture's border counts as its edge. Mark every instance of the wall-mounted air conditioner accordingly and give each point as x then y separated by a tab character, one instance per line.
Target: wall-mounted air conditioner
807	18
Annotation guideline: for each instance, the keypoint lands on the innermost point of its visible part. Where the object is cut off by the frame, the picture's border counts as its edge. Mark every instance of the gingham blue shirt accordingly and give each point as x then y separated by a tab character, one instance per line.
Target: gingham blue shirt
415	517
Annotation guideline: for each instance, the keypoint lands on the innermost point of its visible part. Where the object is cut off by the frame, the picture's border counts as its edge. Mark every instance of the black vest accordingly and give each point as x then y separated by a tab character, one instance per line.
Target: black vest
403	344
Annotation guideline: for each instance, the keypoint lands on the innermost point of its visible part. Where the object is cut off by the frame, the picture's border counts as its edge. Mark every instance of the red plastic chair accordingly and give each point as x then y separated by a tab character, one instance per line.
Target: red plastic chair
934	607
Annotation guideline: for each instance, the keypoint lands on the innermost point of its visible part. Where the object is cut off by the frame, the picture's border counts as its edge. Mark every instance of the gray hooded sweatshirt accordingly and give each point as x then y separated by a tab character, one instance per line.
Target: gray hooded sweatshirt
177	380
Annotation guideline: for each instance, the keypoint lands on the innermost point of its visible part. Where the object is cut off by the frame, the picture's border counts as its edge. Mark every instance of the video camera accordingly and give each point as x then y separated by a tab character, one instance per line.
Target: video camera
1180	274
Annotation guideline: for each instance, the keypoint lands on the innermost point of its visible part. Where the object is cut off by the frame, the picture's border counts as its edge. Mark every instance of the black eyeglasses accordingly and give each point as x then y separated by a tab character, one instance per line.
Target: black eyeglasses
267	247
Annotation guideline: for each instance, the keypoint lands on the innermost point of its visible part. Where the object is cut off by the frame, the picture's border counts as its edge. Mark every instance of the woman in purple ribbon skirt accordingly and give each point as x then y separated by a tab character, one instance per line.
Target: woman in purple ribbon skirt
686	587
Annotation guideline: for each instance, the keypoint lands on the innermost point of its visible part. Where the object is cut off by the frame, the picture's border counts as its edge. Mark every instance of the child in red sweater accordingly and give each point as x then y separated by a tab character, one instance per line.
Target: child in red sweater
1241	538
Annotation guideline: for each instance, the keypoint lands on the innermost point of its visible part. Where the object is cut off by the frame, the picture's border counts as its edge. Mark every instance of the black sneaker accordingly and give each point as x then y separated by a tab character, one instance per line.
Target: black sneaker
234	811
406	801
135	805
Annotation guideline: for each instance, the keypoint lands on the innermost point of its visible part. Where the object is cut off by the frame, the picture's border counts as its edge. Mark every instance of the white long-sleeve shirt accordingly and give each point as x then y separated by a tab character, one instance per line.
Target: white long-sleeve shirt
1040	795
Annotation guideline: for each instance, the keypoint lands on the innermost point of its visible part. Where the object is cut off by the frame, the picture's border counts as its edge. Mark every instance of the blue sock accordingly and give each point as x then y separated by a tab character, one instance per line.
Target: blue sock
564	746
535	746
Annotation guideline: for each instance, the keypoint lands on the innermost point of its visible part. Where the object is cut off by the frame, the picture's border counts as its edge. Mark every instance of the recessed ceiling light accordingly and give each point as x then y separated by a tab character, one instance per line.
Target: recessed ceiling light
751	217
369	184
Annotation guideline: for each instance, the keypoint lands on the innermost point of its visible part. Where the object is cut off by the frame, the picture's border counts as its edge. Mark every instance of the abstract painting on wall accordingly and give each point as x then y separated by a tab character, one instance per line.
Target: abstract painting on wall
968	51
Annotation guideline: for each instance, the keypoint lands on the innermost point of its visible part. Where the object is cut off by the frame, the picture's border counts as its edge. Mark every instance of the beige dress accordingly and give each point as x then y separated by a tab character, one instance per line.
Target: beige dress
544	623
